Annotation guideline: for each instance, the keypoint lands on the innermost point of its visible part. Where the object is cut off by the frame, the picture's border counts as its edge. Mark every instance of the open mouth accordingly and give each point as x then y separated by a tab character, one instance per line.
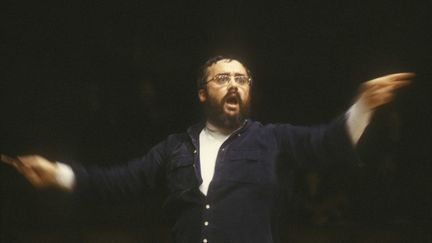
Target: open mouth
232	100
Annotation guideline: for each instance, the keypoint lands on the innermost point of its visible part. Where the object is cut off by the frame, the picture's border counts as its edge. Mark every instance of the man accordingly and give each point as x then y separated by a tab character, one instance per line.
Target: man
222	176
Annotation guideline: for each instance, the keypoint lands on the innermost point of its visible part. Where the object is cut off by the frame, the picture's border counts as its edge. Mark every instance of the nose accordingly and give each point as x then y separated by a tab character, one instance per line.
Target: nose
232	84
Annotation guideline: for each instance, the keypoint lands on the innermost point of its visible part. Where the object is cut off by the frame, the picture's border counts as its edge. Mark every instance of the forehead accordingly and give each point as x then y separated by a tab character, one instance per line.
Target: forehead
227	66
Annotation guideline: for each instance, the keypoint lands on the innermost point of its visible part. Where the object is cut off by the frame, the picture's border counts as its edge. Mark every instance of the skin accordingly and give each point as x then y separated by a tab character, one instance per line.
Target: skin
41	172
218	92
380	91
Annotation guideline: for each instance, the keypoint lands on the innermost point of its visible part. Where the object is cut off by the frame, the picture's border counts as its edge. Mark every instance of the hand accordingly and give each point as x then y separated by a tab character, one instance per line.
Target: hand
39	171
380	91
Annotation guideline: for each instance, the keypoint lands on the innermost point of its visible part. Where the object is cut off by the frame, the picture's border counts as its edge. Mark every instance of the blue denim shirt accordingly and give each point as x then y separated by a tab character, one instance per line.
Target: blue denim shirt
241	200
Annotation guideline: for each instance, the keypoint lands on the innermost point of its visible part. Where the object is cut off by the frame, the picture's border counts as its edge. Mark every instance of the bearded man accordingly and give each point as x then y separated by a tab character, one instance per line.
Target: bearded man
221	177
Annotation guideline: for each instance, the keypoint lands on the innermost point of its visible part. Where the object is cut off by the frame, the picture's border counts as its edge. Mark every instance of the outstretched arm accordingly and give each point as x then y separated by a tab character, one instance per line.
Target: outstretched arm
122	181
311	146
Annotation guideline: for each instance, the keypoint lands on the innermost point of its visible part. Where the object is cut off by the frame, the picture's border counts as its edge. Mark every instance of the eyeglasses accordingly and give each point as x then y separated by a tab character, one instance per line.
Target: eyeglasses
223	79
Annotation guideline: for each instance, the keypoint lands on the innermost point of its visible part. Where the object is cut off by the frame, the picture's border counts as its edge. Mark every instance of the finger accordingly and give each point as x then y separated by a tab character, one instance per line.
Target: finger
397	76
30	159
10	160
390	87
393	85
384	83
18	168
401	83
31	176
26	158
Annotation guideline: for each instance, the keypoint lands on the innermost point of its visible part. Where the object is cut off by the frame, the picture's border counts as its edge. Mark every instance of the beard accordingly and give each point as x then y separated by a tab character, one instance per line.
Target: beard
215	113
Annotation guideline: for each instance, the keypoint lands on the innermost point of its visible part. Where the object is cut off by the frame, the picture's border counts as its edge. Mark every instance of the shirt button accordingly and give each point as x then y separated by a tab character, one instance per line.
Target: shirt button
206	223
207	206
205	240
195	151
239	134
223	149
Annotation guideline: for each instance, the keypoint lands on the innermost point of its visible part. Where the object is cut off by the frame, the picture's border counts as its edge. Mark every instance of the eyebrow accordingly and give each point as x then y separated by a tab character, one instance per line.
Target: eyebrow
235	74
222	74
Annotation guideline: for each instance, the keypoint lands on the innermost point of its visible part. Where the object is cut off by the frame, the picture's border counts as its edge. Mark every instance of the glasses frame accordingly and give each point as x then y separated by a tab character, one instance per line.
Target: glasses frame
249	79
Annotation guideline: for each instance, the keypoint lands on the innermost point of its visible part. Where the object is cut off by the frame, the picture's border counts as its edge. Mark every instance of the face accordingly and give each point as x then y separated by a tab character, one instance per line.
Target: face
226	105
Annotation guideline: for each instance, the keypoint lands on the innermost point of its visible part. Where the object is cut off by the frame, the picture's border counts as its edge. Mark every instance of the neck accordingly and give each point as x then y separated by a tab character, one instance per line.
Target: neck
224	130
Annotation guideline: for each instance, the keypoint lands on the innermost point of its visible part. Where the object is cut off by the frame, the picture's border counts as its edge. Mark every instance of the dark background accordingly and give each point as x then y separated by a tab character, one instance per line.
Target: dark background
100	83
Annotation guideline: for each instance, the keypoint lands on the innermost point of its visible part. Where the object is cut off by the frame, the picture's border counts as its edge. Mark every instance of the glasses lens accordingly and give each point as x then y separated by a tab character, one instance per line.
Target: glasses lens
242	80
225	78
222	79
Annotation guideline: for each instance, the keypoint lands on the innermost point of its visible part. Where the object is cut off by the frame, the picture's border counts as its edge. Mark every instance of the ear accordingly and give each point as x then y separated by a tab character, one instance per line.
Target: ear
202	95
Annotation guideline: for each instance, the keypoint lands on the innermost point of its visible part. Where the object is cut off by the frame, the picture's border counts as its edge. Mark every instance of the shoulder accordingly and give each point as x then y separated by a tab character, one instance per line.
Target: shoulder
175	140
256	125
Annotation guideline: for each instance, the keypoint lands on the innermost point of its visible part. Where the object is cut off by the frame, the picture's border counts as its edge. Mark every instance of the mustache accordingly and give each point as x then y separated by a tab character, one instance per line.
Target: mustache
231	95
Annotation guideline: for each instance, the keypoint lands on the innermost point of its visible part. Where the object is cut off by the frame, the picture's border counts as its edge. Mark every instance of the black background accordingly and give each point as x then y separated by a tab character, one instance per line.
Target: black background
101	82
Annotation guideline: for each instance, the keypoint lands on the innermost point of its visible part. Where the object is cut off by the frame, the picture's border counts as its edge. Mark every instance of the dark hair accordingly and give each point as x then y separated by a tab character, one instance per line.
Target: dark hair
203	71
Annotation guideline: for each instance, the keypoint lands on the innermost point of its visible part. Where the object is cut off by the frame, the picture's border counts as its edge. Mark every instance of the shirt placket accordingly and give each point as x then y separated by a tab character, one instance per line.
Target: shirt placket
208	206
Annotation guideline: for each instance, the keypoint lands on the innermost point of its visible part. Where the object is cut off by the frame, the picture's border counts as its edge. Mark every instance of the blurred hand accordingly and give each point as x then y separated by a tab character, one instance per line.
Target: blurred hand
39	171
380	91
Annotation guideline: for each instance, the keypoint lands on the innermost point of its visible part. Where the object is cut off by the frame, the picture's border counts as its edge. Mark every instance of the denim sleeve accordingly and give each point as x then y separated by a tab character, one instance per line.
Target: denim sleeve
317	146
122	182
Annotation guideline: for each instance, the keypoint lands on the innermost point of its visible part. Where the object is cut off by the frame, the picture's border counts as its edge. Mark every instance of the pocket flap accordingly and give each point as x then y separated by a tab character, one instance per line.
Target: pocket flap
181	161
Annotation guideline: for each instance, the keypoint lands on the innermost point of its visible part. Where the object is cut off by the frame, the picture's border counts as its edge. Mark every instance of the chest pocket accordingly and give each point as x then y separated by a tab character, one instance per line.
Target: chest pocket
245	166
181	173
